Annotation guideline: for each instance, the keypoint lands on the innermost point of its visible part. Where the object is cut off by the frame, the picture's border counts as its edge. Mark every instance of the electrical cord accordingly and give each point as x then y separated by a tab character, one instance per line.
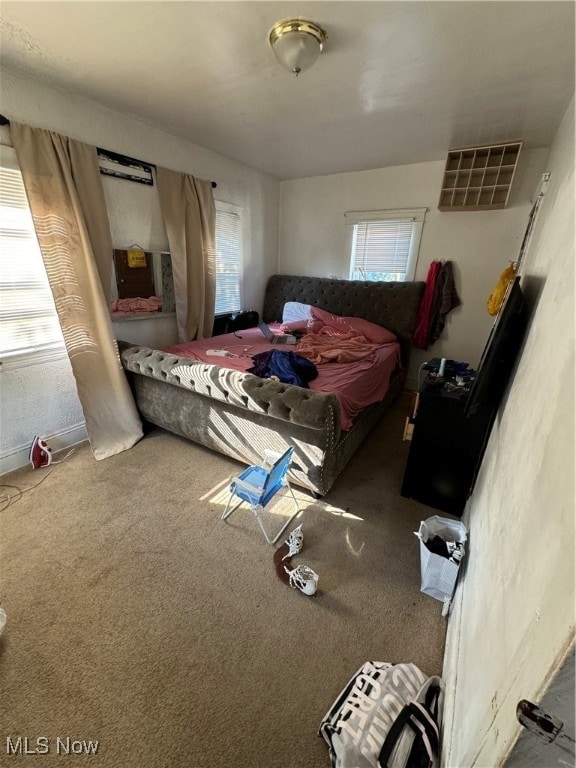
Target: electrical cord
7	499
70	452
244	353
420	374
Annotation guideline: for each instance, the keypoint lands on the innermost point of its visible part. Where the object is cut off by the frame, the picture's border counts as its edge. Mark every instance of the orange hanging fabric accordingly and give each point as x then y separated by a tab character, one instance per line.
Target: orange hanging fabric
497	296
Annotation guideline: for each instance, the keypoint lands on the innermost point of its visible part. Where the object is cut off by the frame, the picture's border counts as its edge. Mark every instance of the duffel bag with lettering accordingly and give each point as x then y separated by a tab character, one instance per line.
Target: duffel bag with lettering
387	716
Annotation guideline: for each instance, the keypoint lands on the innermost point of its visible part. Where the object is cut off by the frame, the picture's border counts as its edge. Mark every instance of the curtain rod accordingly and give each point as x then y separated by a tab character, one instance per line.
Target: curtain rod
5	121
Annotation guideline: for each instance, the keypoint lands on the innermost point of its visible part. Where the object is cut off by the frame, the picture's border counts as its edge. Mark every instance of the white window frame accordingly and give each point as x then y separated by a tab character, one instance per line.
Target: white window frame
238	210
415	215
38	353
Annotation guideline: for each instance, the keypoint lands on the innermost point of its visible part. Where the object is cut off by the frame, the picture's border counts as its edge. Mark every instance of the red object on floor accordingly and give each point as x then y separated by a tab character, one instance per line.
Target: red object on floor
40	453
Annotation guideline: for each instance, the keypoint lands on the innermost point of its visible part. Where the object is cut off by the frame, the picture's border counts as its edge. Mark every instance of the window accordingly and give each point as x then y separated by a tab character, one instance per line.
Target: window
383	245
228	258
28	319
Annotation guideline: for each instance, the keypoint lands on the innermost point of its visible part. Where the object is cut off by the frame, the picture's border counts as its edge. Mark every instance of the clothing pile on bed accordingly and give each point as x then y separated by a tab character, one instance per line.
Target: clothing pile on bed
285	366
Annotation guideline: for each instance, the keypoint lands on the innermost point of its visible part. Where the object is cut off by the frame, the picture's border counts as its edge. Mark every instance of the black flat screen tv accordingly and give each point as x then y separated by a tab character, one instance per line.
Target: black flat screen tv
500	353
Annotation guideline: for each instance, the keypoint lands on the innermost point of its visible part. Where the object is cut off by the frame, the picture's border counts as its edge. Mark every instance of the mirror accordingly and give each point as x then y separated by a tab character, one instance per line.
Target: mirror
142	275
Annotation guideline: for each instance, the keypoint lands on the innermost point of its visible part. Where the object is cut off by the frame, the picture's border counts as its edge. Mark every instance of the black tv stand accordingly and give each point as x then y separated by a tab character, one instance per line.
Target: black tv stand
446	448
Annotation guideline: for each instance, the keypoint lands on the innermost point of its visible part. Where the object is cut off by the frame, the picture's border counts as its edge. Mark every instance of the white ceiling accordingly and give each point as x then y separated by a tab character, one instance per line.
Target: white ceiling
398	82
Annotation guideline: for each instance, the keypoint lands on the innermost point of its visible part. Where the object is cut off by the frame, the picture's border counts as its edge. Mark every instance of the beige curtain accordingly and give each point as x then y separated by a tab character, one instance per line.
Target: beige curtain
190	218
65	194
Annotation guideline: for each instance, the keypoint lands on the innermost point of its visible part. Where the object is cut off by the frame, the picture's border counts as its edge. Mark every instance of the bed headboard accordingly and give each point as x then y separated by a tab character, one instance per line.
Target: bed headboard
391	305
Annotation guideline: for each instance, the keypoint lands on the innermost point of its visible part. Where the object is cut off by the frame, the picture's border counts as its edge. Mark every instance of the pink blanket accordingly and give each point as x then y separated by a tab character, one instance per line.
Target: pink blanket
356	384
344	348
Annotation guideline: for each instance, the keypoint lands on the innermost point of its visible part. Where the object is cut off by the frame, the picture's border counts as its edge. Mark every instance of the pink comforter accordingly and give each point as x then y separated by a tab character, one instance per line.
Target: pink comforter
356	384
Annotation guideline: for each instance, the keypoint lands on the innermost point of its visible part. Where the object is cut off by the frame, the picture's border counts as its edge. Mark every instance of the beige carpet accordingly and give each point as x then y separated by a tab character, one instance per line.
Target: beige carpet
136	618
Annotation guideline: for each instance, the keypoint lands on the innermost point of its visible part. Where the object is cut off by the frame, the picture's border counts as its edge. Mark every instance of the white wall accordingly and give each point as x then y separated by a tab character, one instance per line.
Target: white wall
38	399
514	613
42	399
479	243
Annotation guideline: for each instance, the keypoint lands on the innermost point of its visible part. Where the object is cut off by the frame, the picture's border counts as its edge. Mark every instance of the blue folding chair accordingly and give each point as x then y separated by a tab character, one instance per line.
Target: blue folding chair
257	486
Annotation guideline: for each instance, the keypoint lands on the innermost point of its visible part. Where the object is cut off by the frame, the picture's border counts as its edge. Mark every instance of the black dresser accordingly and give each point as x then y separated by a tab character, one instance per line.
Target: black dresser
446	448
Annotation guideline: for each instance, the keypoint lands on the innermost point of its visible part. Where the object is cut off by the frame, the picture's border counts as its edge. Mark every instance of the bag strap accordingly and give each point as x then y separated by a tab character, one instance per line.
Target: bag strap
422	720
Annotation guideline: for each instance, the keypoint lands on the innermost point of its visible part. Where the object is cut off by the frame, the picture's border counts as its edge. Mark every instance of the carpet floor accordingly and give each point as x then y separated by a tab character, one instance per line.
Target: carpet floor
139	620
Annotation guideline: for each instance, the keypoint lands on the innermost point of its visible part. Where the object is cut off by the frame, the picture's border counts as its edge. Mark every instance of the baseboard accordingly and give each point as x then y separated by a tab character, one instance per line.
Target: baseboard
450	674
18	457
452	658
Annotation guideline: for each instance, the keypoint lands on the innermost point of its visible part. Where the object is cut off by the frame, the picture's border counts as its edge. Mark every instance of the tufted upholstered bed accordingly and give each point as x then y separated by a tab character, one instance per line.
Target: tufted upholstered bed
241	415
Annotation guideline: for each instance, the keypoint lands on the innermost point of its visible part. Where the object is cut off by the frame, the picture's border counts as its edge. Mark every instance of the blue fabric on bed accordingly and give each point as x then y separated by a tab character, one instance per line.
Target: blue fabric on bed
286	366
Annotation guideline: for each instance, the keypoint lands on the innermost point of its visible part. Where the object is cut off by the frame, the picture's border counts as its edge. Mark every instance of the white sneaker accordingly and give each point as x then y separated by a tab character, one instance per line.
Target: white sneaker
303	578
294	542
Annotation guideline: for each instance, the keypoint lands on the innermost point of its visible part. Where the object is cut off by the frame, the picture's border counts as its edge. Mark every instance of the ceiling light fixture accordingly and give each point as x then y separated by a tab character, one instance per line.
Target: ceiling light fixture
297	43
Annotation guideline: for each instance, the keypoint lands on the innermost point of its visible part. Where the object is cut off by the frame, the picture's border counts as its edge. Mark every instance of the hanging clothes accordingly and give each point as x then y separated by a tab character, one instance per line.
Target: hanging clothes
444	301
422	330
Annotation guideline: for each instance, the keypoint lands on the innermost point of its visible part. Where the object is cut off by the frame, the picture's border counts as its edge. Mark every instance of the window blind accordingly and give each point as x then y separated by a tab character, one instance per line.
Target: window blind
228	261
28	320
381	249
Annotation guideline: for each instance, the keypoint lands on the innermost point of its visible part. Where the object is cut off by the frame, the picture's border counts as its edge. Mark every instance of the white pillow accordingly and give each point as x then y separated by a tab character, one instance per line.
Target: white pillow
295	310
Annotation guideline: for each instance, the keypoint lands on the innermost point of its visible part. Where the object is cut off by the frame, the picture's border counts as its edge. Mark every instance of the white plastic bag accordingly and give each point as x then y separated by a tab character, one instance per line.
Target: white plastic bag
439	574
